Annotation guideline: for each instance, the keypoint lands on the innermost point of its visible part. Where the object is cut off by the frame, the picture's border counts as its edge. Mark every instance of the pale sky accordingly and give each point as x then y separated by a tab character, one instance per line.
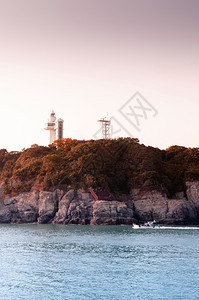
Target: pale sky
87	58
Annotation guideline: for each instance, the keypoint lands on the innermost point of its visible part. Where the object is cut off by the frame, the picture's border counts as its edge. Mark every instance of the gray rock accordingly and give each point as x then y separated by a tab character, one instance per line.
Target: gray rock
80	208
22	208
180	211
154	205
48	205
73	209
5	214
62	213
193	193
150	205
111	213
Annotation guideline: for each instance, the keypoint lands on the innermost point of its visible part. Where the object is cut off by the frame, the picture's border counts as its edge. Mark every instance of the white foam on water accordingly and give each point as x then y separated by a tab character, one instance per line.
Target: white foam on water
179	227
169	227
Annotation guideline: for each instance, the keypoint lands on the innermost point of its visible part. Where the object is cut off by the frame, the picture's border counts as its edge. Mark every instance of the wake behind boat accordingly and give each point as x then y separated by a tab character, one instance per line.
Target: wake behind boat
149	224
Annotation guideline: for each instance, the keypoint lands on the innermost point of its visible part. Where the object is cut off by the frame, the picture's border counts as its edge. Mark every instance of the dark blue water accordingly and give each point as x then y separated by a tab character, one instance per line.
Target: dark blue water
98	262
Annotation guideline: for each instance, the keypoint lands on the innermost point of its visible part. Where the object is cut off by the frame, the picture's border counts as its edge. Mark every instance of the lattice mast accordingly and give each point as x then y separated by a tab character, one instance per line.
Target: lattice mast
105	128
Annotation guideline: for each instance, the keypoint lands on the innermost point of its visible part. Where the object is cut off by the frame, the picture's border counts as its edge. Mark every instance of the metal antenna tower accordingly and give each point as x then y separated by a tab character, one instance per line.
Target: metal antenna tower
105	128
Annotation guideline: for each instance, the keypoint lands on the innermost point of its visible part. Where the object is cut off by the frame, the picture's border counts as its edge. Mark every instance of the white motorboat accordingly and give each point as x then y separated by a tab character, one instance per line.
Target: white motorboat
149	224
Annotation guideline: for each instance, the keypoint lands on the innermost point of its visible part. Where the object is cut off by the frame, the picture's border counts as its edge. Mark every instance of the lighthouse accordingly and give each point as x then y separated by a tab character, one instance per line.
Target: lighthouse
55	127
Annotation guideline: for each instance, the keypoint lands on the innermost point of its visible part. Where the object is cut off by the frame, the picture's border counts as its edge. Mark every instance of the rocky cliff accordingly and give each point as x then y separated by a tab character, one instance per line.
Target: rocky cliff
63	208
80	208
183	209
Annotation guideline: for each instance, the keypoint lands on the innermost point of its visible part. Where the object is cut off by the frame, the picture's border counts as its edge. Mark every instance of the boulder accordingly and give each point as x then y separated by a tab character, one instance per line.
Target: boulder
47	206
111	213
149	205
5	214
193	193
62	214
22	208
180	212
73	209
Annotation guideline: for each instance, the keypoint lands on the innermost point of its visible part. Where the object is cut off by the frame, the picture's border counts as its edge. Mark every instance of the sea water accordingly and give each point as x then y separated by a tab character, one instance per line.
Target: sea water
98	262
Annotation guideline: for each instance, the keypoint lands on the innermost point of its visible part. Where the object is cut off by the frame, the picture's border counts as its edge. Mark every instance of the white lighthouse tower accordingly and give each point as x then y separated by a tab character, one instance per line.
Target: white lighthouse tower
55	127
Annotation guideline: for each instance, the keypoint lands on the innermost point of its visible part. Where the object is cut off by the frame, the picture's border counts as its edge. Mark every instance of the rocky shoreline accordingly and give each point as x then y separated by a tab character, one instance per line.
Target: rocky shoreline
80	207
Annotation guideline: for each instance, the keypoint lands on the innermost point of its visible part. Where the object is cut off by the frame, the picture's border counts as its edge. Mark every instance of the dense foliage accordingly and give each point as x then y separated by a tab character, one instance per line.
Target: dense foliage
117	165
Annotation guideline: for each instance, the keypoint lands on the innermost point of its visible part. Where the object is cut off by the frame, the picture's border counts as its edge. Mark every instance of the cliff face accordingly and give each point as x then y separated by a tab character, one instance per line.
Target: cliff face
59	208
80	208
180	210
